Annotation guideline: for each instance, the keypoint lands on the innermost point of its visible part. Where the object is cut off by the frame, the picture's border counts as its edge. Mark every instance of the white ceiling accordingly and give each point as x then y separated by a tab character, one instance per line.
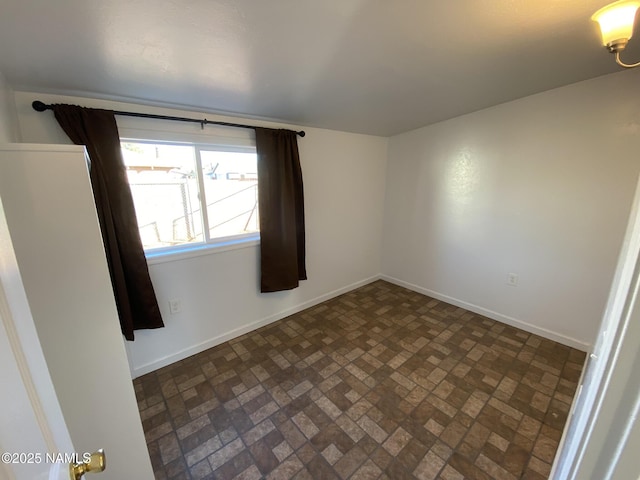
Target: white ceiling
372	66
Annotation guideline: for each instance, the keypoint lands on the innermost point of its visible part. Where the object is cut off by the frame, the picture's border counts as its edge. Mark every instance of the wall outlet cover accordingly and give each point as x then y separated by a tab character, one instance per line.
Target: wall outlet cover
175	305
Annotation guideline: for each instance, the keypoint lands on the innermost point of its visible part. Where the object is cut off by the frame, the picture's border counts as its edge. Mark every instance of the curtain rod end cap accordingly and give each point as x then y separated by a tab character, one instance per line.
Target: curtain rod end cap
39	106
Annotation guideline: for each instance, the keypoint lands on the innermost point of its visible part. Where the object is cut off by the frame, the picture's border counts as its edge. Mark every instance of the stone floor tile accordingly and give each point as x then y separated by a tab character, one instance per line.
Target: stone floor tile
380	383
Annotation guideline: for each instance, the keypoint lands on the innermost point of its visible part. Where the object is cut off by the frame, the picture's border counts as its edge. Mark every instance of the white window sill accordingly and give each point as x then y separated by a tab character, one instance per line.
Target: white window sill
183	252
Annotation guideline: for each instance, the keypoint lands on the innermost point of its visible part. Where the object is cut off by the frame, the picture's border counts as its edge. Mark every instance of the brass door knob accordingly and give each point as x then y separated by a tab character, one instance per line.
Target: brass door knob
95	464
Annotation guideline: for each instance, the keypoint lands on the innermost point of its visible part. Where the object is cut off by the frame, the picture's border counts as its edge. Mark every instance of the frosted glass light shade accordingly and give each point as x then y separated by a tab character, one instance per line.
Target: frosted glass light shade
616	21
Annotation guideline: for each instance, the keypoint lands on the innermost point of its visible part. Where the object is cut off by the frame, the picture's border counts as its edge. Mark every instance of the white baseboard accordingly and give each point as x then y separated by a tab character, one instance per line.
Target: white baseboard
212	342
543	332
236	332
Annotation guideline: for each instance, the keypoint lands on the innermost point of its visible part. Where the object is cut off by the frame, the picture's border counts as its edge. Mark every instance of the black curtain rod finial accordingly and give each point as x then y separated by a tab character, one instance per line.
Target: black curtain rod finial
39	106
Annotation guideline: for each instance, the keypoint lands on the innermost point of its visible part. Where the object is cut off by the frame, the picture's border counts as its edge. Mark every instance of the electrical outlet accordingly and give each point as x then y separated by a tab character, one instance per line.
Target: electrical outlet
175	305
512	279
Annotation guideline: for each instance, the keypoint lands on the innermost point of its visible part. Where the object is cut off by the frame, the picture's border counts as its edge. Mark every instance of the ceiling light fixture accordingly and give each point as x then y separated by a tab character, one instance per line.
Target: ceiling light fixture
616	25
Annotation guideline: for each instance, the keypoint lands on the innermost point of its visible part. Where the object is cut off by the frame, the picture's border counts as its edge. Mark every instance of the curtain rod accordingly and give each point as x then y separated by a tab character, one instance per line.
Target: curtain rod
39	106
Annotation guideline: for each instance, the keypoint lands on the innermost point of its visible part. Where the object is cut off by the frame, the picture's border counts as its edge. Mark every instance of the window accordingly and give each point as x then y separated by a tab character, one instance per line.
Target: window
192	194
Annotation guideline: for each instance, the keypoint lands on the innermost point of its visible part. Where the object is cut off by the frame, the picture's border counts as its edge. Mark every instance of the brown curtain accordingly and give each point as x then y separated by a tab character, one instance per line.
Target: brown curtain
281	203
134	294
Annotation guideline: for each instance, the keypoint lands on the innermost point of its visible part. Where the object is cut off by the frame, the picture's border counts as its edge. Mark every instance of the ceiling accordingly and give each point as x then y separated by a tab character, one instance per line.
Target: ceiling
370	66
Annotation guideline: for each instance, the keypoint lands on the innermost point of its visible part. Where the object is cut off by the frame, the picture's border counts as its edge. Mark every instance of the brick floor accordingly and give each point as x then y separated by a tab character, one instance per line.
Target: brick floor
379	383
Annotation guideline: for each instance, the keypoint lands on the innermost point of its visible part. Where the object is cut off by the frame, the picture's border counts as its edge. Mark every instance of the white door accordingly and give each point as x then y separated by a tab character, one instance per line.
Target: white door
603	426
31	422
48	206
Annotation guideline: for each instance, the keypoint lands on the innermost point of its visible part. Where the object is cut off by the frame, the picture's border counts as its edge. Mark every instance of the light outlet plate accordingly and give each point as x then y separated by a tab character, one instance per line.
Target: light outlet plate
512	279
175	305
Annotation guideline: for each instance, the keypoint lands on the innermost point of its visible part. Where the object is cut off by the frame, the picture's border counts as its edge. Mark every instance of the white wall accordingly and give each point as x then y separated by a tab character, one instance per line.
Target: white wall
8	119
540	187
344	180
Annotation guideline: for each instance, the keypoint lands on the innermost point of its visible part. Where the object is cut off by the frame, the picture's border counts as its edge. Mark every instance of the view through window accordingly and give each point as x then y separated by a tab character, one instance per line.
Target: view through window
188	194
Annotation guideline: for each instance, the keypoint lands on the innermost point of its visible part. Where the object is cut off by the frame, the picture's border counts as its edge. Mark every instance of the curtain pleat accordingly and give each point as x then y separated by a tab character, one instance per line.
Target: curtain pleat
281	204
134	294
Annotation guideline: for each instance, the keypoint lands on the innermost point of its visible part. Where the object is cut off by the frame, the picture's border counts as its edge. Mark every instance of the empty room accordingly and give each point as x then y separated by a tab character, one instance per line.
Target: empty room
300	240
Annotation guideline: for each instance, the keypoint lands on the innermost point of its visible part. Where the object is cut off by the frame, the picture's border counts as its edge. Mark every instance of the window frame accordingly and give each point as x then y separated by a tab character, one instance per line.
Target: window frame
207	245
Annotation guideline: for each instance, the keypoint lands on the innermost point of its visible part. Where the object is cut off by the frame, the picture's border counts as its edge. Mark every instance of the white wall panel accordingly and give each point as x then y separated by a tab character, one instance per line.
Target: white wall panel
540	187
344	182
8	118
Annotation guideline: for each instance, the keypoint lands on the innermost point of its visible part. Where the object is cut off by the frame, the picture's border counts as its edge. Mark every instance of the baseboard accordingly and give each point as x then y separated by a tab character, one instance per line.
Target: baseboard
543	332
217	340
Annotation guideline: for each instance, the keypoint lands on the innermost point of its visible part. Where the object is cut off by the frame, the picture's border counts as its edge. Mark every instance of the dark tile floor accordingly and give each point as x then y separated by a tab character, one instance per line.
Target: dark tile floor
379	383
